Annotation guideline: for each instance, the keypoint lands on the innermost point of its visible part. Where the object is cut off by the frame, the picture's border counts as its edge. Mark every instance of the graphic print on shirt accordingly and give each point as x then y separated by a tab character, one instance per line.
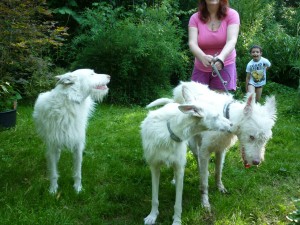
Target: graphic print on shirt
257	72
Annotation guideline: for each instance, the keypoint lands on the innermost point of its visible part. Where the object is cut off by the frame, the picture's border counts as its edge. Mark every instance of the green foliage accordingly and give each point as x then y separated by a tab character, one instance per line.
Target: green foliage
294	217
281	50
26	39
68	8
8	96
296	68
289	17
41	81
259	26
137	42
140	50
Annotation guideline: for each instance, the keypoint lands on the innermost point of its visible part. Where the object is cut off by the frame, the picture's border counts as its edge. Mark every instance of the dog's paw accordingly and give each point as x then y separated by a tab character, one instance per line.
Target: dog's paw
78	188
53	189
176	221
207	208
222	189
205	204
150	219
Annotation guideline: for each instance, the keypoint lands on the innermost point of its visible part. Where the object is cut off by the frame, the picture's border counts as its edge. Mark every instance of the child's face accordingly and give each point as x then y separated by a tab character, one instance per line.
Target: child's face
256	54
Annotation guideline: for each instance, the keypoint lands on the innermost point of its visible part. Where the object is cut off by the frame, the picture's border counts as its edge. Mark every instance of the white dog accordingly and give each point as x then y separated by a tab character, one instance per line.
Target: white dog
252	124
165	133
61	117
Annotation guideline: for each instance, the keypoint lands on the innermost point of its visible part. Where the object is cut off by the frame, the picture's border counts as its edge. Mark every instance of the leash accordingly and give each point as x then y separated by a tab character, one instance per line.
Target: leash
216	71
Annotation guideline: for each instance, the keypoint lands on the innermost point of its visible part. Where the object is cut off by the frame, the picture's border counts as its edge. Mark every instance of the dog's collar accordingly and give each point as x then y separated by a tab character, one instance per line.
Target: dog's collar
226	109
173	136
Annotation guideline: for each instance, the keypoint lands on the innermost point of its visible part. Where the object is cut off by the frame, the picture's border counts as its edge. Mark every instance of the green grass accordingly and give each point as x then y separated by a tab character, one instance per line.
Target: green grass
117	181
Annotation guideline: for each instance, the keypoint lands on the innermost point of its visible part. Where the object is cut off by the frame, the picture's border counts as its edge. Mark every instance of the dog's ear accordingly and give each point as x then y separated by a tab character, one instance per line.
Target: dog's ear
74	93
271	107
187	94
68	80
249	104
191	110
65	79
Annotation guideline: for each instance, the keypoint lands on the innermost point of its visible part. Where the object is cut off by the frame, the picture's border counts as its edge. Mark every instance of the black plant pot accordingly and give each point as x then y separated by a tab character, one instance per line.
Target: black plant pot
8	119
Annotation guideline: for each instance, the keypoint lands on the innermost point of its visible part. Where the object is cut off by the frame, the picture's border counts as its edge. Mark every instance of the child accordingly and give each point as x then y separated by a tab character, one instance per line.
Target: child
256	71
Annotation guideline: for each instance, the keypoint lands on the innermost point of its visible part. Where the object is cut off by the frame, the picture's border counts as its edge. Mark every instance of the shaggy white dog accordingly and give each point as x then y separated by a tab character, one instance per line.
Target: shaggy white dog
252	125
61	117
165	133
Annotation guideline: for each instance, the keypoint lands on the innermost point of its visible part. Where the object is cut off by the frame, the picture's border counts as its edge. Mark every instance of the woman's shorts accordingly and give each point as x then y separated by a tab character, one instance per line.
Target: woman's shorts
213	81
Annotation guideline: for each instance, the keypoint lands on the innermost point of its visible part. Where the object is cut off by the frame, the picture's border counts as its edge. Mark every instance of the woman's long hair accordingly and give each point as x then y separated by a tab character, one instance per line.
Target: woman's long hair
204	14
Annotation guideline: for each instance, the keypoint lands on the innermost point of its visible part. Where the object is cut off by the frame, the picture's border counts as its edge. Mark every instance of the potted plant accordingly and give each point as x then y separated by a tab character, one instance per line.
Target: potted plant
8	105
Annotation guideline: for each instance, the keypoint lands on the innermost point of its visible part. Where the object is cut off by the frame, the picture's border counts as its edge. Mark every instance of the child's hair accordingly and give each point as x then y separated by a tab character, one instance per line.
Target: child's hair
255	46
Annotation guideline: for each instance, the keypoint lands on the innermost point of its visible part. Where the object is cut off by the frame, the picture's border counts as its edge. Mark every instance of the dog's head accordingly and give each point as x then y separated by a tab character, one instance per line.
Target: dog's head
255	129
201	109
188	91
82	83
202	119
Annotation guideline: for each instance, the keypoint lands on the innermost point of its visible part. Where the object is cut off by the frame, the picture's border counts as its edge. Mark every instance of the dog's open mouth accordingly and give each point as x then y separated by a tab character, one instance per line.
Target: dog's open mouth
246	164
101	87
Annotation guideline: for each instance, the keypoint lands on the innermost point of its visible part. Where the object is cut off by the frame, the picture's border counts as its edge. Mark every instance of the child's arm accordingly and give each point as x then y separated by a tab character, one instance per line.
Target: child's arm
266	67
247	81
267	64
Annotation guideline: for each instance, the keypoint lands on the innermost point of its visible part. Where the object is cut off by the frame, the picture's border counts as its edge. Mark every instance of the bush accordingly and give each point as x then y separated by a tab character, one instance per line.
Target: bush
41	81
259	26
26	40
141	51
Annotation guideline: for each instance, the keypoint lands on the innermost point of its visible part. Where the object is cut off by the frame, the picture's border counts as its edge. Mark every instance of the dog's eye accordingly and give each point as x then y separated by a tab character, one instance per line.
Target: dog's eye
252	138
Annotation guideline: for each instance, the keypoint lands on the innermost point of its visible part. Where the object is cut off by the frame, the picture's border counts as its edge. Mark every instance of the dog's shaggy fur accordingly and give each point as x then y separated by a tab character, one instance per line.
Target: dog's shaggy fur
185	121
252	124
61	117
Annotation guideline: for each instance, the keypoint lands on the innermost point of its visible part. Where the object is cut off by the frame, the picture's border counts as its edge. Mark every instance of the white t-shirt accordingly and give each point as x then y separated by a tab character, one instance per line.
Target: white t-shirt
257	70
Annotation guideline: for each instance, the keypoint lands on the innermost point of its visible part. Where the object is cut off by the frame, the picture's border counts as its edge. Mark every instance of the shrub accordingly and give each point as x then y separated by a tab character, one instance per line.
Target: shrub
41	81
259	26
26	39
141	51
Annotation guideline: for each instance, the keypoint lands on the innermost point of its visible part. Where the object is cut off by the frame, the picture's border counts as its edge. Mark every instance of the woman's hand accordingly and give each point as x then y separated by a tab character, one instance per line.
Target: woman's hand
206	60
219	63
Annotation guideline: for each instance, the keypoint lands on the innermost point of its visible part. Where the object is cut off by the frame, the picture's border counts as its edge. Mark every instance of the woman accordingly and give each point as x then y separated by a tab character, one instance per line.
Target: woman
213	33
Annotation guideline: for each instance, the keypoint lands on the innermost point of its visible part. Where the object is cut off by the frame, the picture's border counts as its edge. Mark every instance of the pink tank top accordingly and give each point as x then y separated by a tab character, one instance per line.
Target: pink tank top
212	42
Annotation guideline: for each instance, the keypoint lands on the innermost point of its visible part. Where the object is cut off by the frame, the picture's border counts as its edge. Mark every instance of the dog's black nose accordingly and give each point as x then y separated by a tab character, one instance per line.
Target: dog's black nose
255	162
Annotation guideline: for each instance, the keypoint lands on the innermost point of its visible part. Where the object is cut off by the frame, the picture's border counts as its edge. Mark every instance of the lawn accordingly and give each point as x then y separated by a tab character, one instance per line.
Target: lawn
117	181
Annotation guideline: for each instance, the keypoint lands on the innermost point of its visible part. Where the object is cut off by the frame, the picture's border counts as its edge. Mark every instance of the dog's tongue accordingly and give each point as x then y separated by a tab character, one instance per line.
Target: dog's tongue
247	165
101	87
243	156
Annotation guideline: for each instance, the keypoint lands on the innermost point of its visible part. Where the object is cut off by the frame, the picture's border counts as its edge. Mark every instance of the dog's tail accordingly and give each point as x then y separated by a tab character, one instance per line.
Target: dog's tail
160	101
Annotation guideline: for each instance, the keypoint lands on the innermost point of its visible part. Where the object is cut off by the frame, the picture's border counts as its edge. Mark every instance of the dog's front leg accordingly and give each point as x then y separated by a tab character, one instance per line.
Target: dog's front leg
52	156
155	173
77	162
220	156
179	175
